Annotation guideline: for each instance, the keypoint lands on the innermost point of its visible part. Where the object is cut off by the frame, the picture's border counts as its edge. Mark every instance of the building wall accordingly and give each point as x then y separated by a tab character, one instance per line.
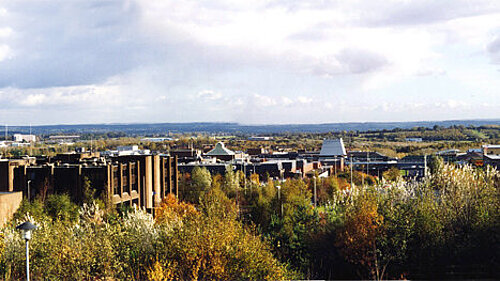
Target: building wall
9	202
125	179
7	179
489	150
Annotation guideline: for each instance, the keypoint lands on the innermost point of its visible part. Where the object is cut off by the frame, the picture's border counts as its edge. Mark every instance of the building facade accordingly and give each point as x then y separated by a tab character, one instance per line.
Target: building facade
140	180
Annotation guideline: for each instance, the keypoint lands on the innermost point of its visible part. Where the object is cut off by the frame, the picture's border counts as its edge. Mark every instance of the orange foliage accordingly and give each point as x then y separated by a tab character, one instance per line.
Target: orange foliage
362	226
173	209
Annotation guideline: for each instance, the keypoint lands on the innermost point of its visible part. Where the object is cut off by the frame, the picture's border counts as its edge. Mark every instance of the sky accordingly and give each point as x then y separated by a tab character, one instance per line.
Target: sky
251	62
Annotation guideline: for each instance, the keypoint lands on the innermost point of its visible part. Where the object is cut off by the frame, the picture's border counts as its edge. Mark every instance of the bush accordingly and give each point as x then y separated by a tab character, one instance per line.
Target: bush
59	207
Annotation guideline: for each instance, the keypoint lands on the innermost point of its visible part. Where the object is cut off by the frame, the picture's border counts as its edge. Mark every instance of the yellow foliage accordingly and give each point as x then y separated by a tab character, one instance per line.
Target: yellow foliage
362	225
254	178
161	272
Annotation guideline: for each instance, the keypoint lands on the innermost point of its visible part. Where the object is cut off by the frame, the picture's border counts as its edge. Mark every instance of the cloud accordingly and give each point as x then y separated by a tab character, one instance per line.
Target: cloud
61	43
426	11
262	61
493	50
361	61
304	100
209	95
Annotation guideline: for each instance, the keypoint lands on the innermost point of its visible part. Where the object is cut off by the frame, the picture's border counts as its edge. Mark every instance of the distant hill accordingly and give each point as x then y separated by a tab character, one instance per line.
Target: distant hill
235	128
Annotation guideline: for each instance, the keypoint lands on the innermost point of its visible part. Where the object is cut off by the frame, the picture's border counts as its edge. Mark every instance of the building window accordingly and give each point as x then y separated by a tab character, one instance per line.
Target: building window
125	177
133	177
116	178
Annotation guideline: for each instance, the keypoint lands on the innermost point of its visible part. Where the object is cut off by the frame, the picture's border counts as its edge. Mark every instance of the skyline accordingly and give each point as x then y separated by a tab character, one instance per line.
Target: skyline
265	62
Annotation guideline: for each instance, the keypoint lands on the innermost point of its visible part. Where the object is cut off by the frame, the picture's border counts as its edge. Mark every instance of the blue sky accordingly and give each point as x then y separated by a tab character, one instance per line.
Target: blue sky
253	62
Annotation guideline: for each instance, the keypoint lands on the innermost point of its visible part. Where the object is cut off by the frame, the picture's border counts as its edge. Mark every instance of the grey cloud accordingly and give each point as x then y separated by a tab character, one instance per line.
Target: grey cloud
493	50
313	35
65	43
294	5
378	13
361	61
350	61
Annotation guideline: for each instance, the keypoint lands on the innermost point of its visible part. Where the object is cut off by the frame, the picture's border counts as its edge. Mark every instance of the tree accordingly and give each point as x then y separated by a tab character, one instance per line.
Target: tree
88	192
392	175
357	239
201	182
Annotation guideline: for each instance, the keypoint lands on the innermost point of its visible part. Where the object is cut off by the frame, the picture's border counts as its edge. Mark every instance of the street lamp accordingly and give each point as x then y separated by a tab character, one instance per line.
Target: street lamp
27	227
279	199
315	198
29	181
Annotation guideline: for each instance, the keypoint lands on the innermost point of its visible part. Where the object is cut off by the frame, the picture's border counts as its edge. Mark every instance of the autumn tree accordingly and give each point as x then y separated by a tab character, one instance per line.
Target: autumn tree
357	239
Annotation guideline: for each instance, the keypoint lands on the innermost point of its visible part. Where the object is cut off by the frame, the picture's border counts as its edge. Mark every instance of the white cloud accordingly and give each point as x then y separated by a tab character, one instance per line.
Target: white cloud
4	52
209	95
304	100
259	60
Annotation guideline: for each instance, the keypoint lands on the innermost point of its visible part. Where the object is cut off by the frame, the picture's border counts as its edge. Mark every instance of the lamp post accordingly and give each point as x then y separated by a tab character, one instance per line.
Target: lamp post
27	227
279	199
29	181
315	198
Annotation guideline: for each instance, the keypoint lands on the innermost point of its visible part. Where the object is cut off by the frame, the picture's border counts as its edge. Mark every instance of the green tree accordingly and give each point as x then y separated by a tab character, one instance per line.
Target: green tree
201	182
59	207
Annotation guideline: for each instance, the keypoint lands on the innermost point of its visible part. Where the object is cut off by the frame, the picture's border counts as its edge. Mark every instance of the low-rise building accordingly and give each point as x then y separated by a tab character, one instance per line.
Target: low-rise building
221	152
491	149
141	180
24	138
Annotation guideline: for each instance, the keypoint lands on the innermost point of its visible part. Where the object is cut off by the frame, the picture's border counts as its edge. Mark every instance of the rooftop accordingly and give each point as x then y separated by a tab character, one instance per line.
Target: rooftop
219	149
333	148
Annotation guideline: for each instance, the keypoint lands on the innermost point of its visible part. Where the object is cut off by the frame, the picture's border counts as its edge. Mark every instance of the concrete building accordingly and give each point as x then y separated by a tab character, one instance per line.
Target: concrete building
413	139
492	160
413	166
491	155
143	180
24	138
186	155
371	162
126	150
491	149
9	203
63	139
260	138
449	155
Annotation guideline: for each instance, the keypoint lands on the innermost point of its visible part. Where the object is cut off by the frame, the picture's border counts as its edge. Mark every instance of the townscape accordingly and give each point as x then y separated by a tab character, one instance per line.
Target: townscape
265	209
249	140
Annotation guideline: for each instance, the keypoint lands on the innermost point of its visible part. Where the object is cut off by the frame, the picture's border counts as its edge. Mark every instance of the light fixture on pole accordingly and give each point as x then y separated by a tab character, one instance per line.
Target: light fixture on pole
27	227
29	197
315	198
279	199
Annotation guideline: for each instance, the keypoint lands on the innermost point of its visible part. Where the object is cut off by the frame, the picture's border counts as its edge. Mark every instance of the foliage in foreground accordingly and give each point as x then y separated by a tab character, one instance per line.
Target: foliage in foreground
446	226
182	244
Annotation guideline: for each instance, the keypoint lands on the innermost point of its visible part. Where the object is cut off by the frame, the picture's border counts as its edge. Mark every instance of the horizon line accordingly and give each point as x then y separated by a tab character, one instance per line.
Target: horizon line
258	124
